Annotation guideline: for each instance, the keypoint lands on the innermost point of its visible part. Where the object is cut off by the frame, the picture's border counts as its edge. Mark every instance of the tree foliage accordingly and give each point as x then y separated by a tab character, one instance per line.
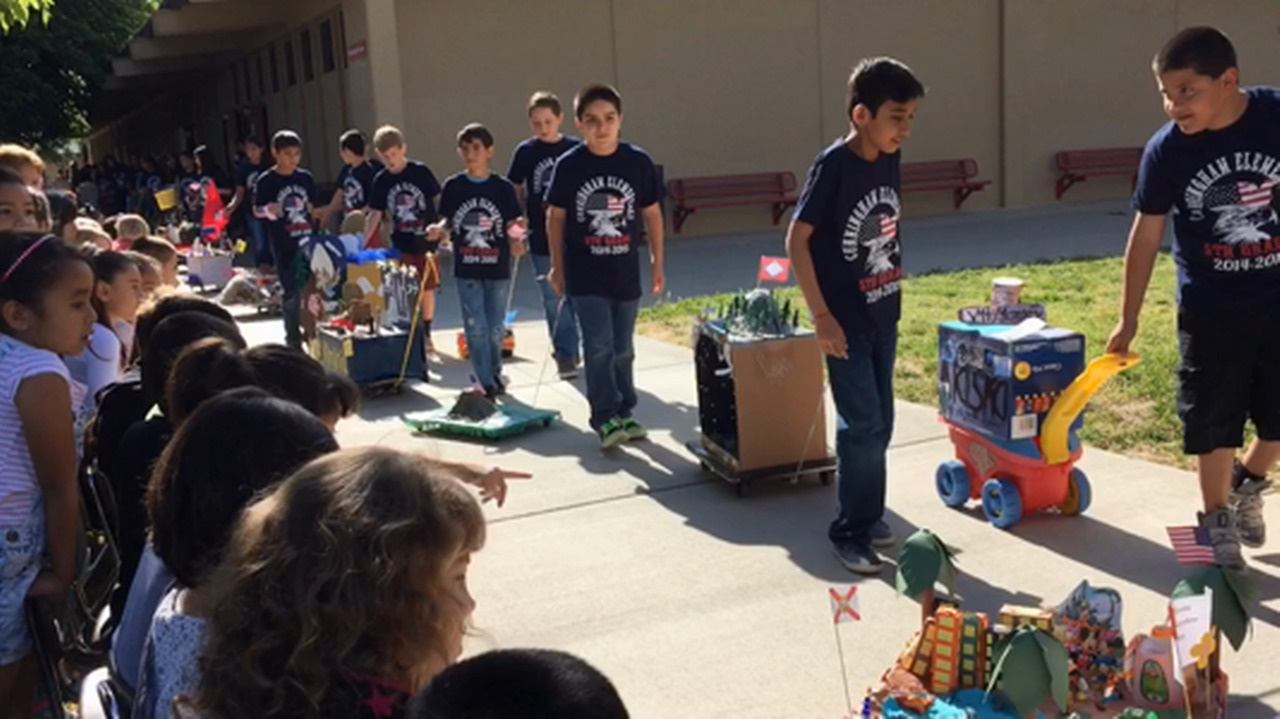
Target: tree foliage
17	13
50	70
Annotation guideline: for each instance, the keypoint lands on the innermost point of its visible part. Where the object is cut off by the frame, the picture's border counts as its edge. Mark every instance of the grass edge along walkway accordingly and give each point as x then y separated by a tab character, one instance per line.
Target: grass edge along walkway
1134	414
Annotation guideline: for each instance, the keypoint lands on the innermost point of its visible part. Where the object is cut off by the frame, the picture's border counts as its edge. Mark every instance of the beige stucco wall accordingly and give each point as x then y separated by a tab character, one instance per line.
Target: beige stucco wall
725	86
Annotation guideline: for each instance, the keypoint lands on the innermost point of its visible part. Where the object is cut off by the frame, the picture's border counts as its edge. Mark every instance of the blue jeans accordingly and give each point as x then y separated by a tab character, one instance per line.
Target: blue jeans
862	387
483	309
608	348
262	256
562	321
286	261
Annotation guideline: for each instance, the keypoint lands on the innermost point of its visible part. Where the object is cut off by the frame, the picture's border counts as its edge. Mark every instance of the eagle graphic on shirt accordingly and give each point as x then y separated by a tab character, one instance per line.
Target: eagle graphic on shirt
877	236
1243	208
607	212
477	228
407	204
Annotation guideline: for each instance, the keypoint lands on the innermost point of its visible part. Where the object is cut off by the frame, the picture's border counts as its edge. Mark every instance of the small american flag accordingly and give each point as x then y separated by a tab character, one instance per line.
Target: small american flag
1255	196
888	225
616	204
1191	545
484	222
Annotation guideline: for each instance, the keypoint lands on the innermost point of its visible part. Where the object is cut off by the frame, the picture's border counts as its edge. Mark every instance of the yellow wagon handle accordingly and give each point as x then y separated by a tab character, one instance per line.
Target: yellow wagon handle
1057	425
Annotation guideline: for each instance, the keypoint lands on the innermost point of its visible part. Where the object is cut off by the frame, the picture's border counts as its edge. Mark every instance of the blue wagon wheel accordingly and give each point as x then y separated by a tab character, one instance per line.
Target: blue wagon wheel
953	483
1001	502
1079	494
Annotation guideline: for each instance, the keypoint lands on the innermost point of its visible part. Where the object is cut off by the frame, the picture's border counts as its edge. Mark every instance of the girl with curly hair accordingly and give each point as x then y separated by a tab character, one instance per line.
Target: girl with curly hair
343	591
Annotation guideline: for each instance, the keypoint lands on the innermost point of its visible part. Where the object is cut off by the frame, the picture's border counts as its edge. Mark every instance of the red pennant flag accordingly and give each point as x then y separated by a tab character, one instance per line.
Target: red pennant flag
214	220
774	269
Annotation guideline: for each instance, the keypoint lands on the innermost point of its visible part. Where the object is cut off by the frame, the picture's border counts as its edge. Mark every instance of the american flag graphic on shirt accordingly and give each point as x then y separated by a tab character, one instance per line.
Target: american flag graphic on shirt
888	225
1255	196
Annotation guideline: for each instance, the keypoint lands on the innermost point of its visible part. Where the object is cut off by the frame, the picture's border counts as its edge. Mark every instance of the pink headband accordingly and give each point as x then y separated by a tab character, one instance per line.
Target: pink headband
25	254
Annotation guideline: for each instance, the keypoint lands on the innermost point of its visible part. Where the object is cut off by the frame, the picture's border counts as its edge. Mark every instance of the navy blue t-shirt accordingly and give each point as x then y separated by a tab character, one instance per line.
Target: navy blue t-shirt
853	207
531	166
409	198
247	175
295	194
602	198
357	184
1221	187
479	214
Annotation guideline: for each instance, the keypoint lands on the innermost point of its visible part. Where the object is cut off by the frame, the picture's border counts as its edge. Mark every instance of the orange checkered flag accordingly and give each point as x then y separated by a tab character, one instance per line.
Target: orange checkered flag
844	606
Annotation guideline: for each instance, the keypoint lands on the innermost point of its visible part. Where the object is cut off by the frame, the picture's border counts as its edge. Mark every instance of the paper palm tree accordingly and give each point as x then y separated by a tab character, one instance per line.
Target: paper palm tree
1033	665
1232	593
925	560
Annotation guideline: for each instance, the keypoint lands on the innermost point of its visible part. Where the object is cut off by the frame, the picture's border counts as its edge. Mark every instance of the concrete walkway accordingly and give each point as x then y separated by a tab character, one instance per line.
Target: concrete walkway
700	604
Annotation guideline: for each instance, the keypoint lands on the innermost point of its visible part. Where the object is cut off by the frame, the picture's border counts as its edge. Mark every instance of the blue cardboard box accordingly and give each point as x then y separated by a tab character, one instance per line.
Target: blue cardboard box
368	360
1000	380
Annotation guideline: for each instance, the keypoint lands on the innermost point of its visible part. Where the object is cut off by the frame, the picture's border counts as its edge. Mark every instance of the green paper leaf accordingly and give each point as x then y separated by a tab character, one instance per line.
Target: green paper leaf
1231	594
1055	659
919	564
1024	671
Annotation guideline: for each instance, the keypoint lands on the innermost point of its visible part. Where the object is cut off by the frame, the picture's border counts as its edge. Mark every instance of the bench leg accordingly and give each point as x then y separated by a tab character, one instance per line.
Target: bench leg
1064	183
780	209
678	217
960	194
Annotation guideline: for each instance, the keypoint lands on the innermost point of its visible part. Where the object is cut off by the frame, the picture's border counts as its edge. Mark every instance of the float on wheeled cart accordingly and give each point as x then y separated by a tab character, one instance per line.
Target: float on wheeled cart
1012	399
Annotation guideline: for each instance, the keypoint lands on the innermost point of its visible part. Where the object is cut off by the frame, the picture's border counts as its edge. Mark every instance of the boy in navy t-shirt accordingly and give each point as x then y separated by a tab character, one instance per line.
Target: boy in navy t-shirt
531	168
1216	166
247	172
283	197
355	180
481	211
844	245
404	199
599	194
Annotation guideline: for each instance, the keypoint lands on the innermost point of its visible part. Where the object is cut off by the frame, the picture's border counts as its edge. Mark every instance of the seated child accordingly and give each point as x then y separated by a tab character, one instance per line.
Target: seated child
398	536
17	204
165	253
196	495
536	684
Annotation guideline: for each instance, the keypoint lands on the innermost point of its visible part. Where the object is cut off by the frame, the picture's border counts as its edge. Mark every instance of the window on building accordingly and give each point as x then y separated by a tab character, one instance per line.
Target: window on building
275	68
327	61
308	67
262	78
342	38
290	66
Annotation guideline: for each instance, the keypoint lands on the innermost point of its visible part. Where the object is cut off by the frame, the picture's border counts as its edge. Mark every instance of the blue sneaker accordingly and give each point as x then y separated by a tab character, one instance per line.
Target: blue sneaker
881	536
859	557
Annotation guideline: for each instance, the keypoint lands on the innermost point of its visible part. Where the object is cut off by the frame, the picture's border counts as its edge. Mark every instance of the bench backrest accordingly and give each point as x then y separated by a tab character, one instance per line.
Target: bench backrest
938	171
764	183
1112	158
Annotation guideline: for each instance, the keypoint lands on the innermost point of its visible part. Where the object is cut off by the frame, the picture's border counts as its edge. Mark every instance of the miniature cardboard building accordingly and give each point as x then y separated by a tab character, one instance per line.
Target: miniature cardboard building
1001	380
1148	664
1013	616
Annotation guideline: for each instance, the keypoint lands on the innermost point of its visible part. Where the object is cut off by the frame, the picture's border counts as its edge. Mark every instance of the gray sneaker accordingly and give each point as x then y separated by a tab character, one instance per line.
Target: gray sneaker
1246	502
881	536
1224	536
859	558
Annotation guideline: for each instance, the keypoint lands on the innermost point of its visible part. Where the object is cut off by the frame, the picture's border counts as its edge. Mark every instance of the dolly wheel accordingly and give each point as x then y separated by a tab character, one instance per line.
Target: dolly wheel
1001	502
1079	494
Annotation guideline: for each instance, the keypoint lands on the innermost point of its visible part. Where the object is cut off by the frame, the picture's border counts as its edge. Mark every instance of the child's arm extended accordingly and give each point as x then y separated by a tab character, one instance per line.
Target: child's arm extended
555	243
492	481
1139	259
653	228
371	228
44	405
831	339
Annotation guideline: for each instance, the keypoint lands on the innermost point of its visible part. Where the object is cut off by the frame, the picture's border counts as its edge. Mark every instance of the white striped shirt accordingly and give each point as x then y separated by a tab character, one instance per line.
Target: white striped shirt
19	486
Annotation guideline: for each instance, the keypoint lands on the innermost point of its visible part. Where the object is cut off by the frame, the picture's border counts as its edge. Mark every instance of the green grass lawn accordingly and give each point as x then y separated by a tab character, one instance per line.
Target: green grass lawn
1135	413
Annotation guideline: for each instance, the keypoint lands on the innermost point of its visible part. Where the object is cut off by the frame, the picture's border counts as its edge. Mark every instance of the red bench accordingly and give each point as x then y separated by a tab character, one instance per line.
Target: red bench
954	175
1080	165
776	189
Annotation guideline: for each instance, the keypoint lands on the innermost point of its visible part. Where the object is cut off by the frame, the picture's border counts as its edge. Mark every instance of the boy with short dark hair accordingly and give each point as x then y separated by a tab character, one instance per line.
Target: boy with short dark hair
283	198
355	181
536	684
599	194
481	211
844	245
248	170
404	199
1216	166
531	169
